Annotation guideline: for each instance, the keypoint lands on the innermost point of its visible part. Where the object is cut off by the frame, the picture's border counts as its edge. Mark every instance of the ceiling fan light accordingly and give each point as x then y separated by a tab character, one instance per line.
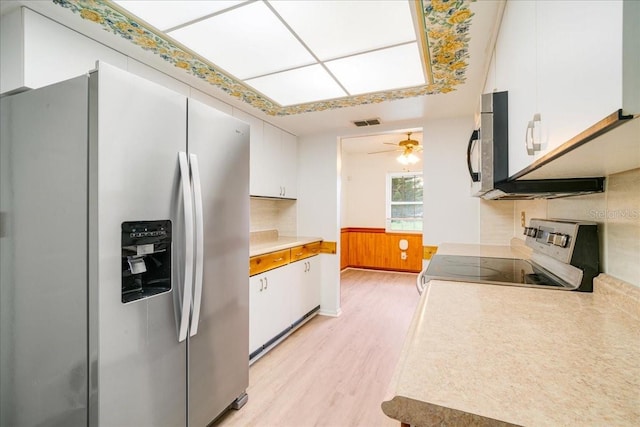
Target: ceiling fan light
403	159
413	159
408	159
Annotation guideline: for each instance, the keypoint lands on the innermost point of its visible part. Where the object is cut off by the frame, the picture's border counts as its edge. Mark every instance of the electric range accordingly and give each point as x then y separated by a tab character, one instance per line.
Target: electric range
565	256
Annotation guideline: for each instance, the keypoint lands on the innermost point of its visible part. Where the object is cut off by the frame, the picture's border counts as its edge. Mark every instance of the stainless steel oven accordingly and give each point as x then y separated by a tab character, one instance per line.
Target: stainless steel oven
565	256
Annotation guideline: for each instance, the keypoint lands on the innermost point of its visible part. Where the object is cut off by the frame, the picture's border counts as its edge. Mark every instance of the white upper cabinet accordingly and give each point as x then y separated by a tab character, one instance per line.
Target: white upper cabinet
579	66
37	51
279	161
257	150
274	159
515	72
289	164
562	60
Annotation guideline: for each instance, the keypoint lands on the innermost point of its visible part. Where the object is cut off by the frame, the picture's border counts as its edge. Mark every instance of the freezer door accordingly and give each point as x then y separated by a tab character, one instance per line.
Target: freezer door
43	253
140	128
219	351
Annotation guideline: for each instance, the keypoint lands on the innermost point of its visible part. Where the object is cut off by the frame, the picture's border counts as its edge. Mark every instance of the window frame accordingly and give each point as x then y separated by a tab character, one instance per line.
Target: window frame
389	202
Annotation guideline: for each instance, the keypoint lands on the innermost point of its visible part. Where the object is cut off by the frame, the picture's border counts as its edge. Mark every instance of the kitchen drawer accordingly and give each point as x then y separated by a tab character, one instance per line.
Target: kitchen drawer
261	263
305	251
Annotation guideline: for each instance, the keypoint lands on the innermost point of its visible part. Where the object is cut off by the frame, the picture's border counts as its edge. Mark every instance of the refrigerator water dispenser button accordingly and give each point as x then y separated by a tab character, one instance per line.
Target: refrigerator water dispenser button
144	249
137	265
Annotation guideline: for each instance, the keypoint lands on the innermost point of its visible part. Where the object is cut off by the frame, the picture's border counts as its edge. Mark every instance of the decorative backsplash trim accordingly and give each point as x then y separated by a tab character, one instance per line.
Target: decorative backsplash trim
446	29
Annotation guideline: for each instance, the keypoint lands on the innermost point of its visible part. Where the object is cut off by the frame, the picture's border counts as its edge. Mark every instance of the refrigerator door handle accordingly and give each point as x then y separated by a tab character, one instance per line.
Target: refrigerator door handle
188	250
199	228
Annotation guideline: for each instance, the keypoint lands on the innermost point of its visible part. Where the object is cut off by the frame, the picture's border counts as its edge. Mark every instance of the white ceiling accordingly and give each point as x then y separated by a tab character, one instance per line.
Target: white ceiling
326	36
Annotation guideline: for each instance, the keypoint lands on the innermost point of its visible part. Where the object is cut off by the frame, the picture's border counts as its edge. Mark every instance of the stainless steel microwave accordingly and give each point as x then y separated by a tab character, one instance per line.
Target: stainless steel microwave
488	148
488	161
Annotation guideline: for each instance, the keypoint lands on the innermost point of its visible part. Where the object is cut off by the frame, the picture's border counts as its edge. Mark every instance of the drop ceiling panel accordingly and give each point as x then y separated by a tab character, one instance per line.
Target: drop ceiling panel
167	14
333	29
298	86
247	42
393	68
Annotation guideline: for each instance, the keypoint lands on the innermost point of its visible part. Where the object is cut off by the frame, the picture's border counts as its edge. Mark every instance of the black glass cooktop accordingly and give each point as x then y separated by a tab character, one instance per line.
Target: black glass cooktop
491	270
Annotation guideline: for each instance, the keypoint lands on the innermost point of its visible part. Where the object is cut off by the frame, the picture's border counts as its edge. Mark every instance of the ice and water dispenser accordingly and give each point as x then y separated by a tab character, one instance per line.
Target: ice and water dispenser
146	259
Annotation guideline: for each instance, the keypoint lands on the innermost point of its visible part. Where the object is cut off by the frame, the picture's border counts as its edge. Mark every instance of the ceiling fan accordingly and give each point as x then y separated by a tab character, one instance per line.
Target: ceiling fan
408	147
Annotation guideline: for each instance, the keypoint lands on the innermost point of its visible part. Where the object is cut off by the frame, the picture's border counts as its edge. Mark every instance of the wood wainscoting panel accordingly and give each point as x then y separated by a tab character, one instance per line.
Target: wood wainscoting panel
344	249
377	249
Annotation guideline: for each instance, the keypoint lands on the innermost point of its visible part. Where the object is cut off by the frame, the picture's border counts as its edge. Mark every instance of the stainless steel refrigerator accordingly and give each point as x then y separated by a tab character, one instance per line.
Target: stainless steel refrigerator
124	247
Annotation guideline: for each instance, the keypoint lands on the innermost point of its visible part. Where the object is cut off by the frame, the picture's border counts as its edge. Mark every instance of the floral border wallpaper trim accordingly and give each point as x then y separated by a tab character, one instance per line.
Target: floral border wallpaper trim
446	24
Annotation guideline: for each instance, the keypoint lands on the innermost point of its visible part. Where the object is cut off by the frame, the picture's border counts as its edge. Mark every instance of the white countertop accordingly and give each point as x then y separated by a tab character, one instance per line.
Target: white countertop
499	355
279	243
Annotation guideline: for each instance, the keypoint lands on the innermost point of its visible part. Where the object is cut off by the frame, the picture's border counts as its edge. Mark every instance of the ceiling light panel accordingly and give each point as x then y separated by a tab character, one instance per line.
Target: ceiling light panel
168	14
386	69
298	86
332	29
246	42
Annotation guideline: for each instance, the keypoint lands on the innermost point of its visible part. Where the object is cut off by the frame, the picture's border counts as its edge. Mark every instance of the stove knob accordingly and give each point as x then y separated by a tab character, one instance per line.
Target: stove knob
560	240
532	232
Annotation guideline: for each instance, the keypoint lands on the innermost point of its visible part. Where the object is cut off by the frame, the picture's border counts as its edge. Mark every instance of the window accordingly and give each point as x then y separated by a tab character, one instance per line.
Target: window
404	201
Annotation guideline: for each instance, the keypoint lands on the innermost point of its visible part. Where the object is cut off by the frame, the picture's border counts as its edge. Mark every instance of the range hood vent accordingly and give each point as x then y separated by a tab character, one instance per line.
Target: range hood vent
544	188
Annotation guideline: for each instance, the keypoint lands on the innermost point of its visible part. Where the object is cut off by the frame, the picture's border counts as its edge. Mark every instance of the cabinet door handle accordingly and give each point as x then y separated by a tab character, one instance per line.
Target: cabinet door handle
261	285
284	191
279	259
528	136
266	283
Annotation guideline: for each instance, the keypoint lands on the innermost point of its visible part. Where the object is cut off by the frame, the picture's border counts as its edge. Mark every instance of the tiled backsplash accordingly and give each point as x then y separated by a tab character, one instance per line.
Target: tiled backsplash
617	210
268	214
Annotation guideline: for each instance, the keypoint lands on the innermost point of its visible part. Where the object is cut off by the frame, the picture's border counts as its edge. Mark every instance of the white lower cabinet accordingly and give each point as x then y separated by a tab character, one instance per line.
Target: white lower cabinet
268	306
306	293
279	299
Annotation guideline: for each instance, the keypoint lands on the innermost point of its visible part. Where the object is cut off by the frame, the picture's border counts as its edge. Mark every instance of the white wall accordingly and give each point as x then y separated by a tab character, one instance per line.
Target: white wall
364	187
450	213
319	208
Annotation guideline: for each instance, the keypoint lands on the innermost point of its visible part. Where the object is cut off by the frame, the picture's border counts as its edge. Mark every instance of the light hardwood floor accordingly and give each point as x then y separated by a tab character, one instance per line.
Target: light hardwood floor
335	371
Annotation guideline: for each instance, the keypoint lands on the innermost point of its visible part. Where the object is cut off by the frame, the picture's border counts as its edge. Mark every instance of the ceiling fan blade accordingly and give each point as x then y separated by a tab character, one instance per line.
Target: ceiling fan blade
390	143
383	151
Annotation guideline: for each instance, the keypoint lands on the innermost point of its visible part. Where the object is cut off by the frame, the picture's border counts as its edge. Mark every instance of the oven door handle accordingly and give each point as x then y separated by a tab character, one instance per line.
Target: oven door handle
420	284
475	176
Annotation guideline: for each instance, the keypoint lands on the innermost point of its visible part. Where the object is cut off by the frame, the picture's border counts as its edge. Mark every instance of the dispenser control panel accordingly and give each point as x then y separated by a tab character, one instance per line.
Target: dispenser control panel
146	259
